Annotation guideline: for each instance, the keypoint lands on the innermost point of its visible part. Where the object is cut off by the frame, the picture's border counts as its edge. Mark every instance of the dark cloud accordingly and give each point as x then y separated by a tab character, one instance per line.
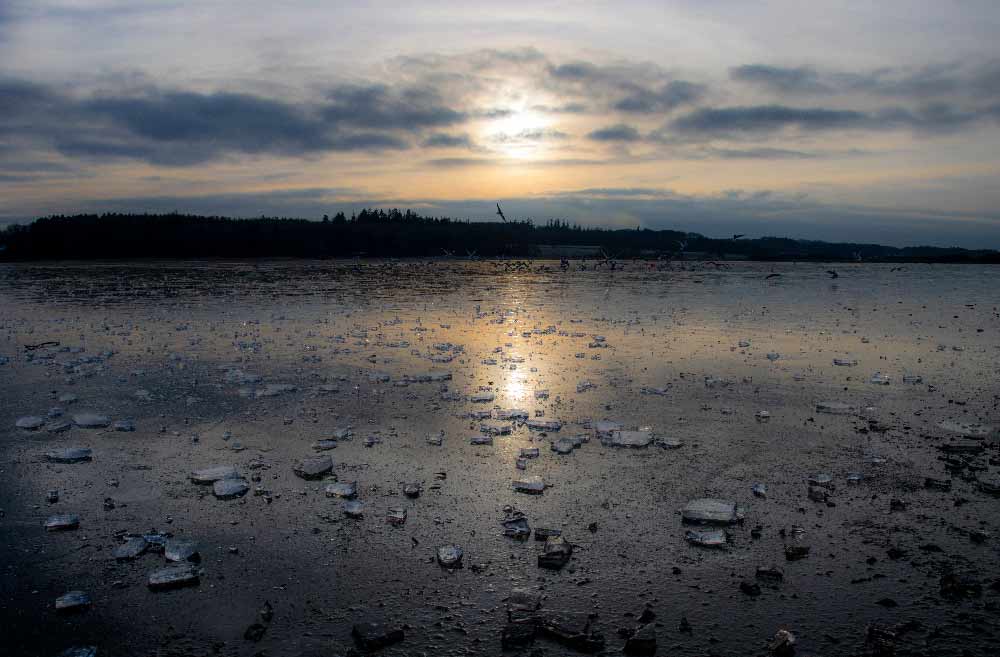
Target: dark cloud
934	118
181	128
620	132
456	162
576	71
383	108
954	82
367	141
626	192
19	96
232	121
665	99
930	118
444	140
761	153
794	80
625	87
766	118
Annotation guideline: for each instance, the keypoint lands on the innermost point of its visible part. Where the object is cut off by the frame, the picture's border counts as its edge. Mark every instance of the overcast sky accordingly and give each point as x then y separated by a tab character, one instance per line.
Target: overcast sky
860	121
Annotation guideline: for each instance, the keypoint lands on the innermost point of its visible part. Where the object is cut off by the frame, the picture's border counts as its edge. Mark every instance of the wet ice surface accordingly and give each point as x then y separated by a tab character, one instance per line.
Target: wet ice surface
881	499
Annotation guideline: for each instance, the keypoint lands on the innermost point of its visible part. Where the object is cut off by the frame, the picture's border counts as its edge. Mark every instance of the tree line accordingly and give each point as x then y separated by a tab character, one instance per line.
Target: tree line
380	232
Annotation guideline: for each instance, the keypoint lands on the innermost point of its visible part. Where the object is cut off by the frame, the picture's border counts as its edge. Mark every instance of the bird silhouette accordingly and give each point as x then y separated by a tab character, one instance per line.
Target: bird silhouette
832	273
772	276
500	212
736	237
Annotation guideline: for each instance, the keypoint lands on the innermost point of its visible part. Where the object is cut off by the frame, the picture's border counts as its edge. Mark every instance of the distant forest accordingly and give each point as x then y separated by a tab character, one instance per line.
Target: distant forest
394	233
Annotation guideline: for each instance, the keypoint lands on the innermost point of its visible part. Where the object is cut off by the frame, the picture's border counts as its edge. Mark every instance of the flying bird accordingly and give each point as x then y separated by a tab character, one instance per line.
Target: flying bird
832	273
500	212
772	276
736	237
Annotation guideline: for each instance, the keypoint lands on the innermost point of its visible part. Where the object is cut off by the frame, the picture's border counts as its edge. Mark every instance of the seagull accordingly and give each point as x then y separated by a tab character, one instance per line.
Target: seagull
736	237
832	273
500	212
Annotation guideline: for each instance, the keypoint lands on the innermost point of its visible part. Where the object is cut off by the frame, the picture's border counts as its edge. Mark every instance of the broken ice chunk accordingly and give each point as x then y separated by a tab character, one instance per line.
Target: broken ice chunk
314	467
69	455
555	553
450	556
710	512
533	485
173	577
715	538
214	473
346	490
72	601
228	489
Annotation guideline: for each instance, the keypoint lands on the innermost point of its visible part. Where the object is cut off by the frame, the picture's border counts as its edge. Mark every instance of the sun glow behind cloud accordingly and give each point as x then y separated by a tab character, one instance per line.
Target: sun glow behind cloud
522	135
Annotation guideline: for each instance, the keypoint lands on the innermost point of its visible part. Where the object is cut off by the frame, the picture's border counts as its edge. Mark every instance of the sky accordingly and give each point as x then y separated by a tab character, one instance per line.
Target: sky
841	121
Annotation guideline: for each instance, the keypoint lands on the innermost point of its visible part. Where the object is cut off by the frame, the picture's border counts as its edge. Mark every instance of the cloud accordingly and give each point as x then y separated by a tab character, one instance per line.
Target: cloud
934	118
183	128
459	162
774	78
639	88
765	118
231	121
529	134
130	117
380	107
665	99
619	192
445	140
575	71
619	132
760	153
955	82
494	113
568	108
366	141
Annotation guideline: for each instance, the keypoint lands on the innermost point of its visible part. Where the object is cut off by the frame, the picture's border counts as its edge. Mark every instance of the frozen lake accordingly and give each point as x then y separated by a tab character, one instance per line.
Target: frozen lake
726	376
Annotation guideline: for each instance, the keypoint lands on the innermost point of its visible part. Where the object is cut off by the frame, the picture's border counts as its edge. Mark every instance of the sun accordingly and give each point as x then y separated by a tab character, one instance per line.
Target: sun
521	134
